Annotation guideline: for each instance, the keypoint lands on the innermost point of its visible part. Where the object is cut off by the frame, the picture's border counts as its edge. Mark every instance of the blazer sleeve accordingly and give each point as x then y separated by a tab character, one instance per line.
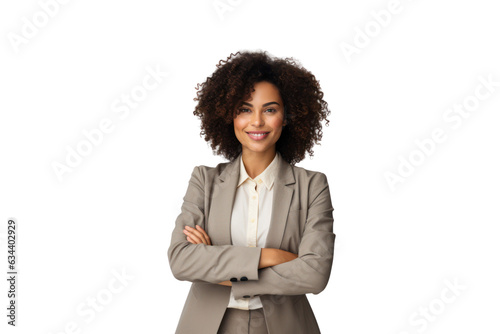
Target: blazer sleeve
310	271
205	263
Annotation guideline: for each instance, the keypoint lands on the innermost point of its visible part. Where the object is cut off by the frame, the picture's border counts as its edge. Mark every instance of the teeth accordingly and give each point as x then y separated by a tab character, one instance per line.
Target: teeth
258	134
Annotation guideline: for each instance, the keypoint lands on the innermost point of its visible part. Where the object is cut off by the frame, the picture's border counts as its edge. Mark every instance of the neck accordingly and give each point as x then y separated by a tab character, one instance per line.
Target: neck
256	162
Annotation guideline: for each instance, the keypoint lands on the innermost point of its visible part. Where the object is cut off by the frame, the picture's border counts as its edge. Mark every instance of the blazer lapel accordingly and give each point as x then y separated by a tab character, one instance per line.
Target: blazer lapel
282	196
224	192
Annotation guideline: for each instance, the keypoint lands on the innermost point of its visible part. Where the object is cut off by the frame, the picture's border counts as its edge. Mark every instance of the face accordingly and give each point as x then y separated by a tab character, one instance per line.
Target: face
260	119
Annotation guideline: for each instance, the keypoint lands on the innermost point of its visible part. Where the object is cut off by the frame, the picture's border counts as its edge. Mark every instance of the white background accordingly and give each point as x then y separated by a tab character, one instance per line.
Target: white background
116	210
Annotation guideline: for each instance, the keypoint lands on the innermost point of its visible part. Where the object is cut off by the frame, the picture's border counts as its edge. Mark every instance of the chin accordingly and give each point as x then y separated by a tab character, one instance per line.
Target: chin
259	149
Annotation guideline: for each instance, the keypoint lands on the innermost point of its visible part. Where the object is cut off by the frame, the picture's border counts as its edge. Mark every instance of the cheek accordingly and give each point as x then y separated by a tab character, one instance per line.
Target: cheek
238	124
276	123
238	127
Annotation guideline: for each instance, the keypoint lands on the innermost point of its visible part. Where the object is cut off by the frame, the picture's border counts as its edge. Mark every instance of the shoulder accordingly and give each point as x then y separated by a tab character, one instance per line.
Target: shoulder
208	172
314	184
308	176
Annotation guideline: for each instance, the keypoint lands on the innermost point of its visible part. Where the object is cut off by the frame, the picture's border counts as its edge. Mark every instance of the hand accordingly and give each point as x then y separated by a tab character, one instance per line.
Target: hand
283	256
197	235
226	283
272	256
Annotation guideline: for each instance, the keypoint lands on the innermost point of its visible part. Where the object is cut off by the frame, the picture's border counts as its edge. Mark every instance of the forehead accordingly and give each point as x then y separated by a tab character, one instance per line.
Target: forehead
264	91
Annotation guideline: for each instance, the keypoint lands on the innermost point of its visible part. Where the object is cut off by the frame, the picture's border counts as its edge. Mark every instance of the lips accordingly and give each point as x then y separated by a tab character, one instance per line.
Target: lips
258	135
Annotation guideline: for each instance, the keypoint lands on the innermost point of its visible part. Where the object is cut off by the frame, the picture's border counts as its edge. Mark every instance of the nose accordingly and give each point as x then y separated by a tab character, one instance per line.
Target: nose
257	118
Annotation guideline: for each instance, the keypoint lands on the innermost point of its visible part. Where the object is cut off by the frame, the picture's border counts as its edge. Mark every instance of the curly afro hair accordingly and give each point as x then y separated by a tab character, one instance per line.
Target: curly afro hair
232	83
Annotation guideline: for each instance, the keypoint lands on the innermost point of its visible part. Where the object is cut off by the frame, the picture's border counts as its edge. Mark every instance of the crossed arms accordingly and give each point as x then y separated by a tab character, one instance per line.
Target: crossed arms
268	256
269	270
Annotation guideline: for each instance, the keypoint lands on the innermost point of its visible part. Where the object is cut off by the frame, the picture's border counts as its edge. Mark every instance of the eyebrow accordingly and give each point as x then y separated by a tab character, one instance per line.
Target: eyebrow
264	105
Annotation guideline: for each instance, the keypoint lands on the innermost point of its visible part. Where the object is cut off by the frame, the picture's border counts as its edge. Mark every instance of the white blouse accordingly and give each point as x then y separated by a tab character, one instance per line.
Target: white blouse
251	217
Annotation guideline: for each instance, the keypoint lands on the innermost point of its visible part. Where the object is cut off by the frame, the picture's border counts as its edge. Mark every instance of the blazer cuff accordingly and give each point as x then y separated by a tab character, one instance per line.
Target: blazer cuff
249	265
244	289
272	282
244	264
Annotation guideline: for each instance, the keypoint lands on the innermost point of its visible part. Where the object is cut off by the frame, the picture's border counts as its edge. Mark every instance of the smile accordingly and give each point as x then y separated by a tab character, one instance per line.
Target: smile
258	135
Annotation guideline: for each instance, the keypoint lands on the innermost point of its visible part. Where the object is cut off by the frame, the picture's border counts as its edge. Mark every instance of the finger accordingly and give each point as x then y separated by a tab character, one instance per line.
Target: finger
191	240
189	231
207	238
205	234
195	238
187	236
198	234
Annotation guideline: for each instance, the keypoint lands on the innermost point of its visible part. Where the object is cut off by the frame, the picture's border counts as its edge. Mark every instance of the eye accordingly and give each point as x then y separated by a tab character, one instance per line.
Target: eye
271	110
243	110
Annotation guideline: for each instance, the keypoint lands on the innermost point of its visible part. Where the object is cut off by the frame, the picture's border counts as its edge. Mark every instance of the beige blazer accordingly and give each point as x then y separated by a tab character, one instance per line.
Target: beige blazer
301	223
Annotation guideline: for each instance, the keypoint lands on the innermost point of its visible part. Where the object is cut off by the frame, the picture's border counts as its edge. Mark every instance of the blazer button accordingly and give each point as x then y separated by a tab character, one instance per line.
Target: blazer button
234	279
244	278
246	296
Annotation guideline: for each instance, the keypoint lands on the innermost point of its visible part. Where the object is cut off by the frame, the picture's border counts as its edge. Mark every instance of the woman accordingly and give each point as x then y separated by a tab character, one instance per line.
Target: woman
255	234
